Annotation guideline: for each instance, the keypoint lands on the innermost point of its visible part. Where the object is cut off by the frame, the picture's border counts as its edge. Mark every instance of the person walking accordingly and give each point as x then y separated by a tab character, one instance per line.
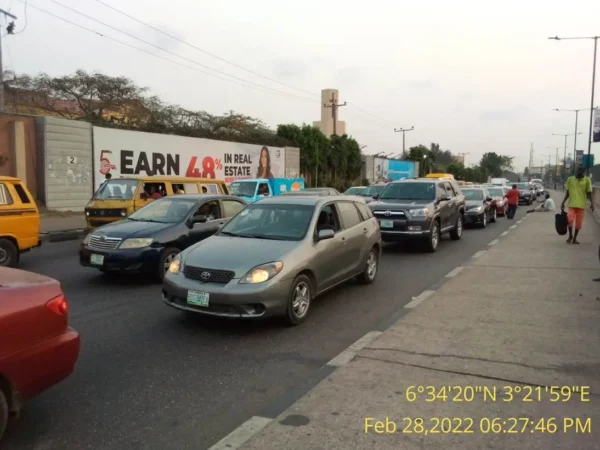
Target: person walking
513	201
578	189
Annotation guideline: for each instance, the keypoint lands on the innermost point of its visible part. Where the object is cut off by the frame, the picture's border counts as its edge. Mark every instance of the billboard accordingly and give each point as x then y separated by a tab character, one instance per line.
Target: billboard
393	169
596	132
123	153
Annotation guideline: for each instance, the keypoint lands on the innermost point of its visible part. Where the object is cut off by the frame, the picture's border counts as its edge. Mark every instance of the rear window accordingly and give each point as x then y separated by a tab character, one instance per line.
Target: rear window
365	212
22	194
5	198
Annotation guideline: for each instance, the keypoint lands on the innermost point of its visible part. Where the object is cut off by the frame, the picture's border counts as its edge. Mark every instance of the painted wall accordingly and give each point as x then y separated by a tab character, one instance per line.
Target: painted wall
393	169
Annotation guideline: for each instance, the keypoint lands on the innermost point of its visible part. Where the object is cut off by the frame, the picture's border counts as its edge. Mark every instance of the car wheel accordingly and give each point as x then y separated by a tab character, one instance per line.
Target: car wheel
494	215
371	269
483	220
299	300
166	258
434	237
9	254
456	233
3	413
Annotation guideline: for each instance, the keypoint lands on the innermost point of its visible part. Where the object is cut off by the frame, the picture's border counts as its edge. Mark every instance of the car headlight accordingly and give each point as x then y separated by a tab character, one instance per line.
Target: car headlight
86	239
136	243
262	273
422	212
175	264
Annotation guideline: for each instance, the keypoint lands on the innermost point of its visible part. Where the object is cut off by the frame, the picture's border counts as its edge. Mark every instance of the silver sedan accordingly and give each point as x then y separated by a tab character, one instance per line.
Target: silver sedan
275	257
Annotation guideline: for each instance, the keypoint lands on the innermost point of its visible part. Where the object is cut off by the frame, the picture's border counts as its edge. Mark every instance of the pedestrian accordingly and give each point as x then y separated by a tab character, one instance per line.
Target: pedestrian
513	201
578	189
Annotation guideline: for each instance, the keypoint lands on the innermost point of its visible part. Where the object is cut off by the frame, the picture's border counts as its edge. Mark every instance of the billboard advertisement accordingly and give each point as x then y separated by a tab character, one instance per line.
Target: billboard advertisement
123	153
393	169
596	132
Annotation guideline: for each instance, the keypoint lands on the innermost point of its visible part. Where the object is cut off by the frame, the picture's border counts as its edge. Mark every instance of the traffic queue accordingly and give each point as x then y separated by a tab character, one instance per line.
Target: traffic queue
255	249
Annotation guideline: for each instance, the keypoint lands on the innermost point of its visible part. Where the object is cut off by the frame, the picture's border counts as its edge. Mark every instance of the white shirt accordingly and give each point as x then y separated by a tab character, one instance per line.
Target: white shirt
549	204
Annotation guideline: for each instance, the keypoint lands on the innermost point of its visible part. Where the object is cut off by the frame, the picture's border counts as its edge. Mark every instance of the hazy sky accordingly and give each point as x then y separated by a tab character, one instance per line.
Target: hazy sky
473	76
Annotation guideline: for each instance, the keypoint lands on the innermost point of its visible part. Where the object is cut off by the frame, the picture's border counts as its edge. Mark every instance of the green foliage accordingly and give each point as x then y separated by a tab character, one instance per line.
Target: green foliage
424	156
494	164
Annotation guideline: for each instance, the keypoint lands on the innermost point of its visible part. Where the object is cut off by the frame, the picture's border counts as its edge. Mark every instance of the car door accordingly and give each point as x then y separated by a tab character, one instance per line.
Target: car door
355	236
202	230
442	205
329	253
230	207
19	217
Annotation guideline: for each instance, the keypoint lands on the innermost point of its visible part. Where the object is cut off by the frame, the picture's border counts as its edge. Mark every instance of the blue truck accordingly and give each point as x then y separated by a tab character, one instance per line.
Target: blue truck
253	189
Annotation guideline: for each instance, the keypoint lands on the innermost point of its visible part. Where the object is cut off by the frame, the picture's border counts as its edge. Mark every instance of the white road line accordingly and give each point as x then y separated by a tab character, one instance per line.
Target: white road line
519	221
416	301
513	227
494	242
478	254
348	355
454	272
504	234
241	434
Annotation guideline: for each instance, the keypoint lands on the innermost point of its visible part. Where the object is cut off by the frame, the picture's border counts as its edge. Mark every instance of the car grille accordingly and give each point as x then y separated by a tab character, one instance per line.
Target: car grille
390	214
103	242
104	212
208	275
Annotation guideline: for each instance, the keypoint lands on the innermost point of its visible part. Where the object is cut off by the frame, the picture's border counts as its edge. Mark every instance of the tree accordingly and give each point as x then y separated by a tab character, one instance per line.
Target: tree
493	164
424	156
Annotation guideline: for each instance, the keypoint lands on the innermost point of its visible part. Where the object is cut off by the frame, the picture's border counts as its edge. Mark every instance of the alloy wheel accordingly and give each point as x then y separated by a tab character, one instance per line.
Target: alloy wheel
371	266
301	299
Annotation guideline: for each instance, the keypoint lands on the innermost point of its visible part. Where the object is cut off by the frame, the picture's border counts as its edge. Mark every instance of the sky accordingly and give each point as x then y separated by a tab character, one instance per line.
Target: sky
473	76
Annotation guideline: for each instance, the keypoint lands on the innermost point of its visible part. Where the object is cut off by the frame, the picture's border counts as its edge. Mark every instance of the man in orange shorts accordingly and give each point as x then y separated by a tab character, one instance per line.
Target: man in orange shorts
579	189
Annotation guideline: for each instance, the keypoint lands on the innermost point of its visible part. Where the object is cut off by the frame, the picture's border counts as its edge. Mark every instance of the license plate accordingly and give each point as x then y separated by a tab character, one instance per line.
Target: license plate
386	224
197	298
97	259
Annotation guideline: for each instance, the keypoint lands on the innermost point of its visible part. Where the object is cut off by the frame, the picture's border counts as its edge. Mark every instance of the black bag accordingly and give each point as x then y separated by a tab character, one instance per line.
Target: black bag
561	223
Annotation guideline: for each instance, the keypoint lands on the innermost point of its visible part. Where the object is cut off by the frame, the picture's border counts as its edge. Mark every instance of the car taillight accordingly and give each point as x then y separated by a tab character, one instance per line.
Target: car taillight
58	305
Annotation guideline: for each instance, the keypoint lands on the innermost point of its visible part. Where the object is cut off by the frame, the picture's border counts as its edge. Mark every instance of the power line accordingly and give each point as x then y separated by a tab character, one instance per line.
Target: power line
204	51
247	83
170	52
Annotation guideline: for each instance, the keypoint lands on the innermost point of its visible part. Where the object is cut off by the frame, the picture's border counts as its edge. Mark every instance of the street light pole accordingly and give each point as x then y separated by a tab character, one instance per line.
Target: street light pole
564	171
576	111
590	136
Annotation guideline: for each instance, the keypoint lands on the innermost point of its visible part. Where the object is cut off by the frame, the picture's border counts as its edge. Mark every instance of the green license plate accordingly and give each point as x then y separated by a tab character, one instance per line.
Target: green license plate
197	298
386	224
97	259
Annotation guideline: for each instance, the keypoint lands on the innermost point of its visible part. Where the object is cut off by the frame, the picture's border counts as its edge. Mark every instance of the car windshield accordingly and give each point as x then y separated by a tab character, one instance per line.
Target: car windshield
281	222
164	210
118	189
243	188
473	194
372	190
354	190
523	186
409	191
496	192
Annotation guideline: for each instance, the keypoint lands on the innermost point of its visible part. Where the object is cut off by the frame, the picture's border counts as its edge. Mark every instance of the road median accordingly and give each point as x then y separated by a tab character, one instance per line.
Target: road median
502	355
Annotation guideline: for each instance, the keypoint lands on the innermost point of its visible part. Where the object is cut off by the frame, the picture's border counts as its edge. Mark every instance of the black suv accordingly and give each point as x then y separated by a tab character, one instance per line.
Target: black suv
420	208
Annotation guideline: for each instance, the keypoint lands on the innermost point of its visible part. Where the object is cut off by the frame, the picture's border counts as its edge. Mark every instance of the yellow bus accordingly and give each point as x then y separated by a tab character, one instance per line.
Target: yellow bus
445	176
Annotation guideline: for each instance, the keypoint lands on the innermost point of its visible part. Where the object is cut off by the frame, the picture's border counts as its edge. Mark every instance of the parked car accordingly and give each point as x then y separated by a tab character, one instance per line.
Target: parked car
148	240
38	349
526	193
274	257
480	206
420	209
313	191
373	191
539	189
499	200
354	190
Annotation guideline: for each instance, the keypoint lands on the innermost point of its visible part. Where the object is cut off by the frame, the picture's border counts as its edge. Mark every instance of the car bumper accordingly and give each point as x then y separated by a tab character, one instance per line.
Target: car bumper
404	229
133	260
41	366
525	200
229	300
473	216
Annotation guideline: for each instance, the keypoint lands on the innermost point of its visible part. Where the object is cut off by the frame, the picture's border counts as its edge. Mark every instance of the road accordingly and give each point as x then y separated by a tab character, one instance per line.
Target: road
150	378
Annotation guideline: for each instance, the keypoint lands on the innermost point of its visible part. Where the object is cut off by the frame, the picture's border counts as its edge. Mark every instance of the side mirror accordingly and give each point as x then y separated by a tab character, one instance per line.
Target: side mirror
325	234
375	196
200	218
488	199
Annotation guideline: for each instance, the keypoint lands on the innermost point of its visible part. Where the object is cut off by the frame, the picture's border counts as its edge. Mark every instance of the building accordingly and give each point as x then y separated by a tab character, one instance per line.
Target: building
329	123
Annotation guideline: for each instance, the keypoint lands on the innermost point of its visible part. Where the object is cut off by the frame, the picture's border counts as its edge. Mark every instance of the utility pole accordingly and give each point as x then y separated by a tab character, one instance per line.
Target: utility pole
9	30
403	131
334	111
531	157
564	171
463	157
555	165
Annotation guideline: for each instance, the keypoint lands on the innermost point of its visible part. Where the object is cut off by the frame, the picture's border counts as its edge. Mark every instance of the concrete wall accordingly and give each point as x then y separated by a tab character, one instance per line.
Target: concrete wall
368	168
66	171
292	162
18	144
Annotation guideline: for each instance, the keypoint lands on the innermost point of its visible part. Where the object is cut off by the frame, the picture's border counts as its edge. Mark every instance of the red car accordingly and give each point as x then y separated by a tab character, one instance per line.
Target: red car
499	200
37	347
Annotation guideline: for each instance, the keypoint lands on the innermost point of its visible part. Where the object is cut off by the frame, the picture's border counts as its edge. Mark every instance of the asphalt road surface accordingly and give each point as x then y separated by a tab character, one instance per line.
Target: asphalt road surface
150	378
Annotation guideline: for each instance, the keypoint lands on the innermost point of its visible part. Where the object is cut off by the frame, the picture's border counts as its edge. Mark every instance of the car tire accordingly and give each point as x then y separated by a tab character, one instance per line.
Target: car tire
299	301
368	275
3	413
494	216
483	220
165	260
434	238
9	254
456	232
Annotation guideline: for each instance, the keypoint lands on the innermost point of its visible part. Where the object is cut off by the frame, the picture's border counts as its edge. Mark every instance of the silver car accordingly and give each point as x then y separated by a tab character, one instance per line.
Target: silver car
275	256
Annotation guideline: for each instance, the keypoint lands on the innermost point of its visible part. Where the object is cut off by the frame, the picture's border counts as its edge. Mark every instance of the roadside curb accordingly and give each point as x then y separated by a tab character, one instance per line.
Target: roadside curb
63	235
244	432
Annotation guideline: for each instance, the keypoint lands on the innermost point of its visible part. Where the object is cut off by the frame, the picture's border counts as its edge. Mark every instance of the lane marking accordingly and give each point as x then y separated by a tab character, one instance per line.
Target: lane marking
454	272
513	227
241	434
504	234
348	355
494	242
416	301
519	221
478	254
